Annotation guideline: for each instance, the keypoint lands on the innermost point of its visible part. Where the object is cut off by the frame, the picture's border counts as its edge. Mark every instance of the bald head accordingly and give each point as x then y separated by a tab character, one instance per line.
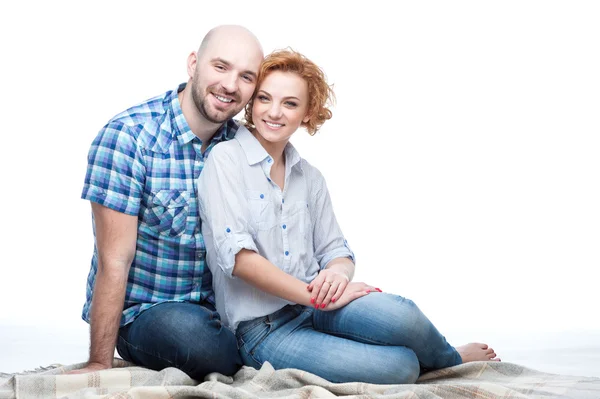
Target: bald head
223	33
223	73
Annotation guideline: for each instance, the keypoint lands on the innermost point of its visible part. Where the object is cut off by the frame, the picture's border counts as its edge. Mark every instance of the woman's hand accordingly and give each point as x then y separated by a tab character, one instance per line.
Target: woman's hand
327	287
353	291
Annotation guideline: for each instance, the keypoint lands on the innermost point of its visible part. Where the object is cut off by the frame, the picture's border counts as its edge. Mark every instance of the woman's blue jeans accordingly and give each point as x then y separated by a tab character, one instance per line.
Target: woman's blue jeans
184	335
379	339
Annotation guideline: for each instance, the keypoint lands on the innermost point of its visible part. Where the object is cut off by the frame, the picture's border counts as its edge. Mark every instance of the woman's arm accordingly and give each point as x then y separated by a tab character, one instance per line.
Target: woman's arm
262	274
332	252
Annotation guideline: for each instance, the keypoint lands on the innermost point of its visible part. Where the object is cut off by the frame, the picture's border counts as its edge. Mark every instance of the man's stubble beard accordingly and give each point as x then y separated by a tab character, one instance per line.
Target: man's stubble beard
203	107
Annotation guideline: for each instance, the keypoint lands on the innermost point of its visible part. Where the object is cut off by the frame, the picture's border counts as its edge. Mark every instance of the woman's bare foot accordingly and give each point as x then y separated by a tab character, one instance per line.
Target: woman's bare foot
475	351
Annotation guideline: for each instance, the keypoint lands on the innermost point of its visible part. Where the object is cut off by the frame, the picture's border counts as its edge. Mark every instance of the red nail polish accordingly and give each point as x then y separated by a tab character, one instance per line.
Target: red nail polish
332	299
322	305
312	300
378	289
368	291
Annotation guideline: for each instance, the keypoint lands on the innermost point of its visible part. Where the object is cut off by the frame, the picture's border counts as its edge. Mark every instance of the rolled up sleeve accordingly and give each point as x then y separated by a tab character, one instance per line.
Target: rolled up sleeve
115	172
223	210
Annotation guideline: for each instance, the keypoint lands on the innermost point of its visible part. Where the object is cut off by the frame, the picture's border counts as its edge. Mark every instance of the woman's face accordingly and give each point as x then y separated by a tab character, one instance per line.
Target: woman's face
280	106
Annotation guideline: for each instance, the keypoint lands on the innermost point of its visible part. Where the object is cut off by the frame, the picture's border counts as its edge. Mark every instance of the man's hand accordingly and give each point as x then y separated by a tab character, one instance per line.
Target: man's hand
116	235
90	368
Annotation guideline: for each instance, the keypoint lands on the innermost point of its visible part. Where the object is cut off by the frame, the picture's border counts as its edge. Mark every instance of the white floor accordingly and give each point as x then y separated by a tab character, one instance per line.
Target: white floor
572	353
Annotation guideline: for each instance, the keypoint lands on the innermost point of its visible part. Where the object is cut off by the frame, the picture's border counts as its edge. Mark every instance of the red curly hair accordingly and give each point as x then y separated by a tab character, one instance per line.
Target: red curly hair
320	94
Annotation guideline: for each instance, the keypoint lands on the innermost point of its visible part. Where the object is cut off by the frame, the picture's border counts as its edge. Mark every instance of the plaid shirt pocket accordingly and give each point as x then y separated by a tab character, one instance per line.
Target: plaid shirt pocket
168	211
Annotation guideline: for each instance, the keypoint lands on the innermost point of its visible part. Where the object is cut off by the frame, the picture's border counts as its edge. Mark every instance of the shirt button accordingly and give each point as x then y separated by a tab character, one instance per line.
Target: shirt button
282	201
287	253
228	230
269	180
269	160
284	226
200	254
262	196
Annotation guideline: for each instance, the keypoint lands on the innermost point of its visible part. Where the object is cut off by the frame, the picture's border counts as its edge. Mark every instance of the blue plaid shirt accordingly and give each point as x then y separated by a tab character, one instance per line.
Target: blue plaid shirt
145	162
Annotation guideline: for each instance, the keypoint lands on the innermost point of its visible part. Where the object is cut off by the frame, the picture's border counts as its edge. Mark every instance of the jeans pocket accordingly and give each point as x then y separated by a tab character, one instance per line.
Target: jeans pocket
250	336
167	211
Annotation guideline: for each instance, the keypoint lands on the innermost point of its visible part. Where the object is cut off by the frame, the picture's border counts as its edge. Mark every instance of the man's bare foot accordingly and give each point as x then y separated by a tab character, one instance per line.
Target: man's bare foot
475	351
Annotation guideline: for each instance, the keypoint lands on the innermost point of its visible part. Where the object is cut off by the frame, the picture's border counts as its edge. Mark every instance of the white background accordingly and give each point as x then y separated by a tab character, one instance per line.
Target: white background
462	159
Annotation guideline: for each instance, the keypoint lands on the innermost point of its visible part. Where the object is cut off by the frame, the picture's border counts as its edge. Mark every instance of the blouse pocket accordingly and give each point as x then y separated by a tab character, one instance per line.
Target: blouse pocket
167	211
301	215
261	209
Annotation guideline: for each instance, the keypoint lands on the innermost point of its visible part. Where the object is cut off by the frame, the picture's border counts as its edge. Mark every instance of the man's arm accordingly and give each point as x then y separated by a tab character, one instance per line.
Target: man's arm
116	235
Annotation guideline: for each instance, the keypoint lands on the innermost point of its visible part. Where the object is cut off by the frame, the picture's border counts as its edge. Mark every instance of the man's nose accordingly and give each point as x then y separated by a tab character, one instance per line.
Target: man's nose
230	83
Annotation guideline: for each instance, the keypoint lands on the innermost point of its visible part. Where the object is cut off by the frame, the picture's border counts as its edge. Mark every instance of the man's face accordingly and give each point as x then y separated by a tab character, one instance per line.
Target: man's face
224	77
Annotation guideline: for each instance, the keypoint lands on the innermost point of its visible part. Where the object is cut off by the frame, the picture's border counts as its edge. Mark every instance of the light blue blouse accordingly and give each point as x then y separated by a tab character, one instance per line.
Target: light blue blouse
295	229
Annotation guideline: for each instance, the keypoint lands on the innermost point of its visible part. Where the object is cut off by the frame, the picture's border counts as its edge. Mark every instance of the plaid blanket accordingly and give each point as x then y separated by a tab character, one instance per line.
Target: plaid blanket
485	380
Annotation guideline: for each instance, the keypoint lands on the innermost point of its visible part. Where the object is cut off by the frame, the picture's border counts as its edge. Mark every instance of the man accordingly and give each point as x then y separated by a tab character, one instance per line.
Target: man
149	291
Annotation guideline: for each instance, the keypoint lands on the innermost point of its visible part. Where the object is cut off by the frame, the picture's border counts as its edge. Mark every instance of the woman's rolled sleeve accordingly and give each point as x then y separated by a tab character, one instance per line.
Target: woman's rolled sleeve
230	246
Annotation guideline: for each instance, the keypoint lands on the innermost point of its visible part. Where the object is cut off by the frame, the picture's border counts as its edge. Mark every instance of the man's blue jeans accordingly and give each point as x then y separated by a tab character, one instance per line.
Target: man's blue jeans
379	338
184	335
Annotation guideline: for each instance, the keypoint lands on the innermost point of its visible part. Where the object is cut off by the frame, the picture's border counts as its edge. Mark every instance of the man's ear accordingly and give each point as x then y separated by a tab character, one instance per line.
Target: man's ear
191	64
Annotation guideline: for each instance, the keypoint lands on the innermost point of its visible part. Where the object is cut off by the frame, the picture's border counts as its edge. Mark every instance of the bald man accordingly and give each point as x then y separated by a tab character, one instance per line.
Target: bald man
149	291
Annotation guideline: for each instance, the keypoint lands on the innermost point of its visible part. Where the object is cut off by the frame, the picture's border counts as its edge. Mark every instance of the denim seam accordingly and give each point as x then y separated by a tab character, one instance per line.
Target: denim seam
353	336
251	354
210	312
243	347
269	326
146	352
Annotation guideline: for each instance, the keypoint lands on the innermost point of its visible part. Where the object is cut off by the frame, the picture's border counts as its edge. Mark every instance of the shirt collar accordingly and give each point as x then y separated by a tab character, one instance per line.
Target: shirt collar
180	127
256	153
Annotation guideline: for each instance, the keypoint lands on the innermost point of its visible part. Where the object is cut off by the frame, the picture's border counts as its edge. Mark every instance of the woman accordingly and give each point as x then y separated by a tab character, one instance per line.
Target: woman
281	267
